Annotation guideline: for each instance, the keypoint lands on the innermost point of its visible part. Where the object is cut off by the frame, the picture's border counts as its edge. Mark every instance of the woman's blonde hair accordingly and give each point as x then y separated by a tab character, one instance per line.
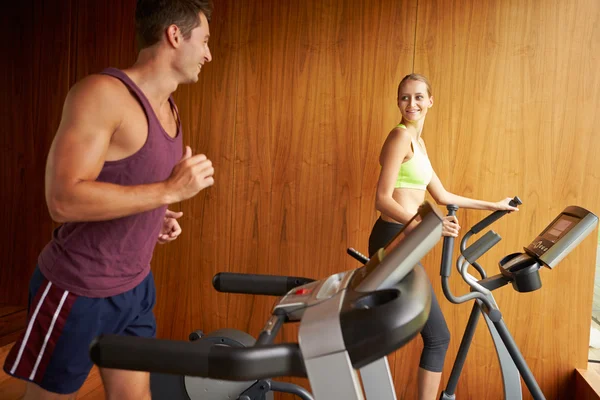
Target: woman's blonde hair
415	77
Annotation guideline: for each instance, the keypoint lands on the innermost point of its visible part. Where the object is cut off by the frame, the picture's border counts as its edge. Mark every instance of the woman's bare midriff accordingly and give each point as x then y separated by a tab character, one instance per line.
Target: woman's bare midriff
409	199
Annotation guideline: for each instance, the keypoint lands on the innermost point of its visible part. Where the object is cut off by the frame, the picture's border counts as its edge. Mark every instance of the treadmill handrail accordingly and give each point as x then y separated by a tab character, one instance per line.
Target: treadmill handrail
199	358
262	284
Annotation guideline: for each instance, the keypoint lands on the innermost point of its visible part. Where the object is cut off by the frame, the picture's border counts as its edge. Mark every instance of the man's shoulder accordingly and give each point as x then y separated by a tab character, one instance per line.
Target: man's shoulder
101	86
98	97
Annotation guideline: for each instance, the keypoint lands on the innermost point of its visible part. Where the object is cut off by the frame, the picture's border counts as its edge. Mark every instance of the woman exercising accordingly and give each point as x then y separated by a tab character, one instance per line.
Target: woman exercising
406	173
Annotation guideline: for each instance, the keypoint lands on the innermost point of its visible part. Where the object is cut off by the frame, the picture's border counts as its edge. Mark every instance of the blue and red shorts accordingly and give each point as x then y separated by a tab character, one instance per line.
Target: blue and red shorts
53	352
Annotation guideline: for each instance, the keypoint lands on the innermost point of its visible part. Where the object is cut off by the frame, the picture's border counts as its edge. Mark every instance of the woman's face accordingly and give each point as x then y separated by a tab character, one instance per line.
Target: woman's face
413	100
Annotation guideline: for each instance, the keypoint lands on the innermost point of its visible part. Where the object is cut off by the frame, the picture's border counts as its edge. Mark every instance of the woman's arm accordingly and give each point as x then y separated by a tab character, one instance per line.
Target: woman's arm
393	153
444	197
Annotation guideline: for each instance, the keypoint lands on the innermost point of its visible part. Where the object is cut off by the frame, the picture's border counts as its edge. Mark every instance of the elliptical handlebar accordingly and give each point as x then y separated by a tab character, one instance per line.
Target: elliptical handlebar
480	247
493	217
448	246
481	225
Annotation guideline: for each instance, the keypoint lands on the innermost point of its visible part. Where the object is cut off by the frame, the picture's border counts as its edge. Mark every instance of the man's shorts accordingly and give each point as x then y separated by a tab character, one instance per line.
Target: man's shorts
53	352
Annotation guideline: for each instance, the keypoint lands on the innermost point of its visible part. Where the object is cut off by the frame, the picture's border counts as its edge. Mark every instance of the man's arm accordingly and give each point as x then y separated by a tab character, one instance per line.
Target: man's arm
78	152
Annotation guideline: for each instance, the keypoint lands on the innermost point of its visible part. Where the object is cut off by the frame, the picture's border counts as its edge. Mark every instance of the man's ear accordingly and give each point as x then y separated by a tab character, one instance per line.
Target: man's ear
174	36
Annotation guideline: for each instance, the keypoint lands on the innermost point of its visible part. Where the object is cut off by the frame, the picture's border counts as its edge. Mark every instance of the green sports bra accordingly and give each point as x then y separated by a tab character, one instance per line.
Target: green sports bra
417	172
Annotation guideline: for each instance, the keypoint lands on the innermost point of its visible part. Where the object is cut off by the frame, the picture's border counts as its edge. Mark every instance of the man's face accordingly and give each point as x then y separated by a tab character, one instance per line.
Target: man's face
194	50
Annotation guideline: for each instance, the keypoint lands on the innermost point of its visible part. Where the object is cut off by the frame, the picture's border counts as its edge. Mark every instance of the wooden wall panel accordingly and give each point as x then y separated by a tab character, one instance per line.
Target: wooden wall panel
105	36
313	106
314	95
515	113
35	78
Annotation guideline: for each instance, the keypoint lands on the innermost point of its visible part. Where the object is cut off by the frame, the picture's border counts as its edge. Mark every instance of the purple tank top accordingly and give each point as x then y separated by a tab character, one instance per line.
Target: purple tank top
105	258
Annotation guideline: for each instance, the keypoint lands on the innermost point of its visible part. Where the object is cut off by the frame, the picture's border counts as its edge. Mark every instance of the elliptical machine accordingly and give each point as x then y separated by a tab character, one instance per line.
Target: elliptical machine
557	240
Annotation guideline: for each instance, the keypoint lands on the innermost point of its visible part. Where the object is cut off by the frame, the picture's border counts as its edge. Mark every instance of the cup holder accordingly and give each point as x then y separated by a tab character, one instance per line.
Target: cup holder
523	272
375	299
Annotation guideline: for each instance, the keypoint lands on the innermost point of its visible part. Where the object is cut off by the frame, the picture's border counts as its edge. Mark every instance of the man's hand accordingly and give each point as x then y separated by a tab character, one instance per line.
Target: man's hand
190	175
170	229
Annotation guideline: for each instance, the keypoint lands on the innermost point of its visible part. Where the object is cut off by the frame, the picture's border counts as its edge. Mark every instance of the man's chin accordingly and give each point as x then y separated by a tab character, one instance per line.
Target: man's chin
193	79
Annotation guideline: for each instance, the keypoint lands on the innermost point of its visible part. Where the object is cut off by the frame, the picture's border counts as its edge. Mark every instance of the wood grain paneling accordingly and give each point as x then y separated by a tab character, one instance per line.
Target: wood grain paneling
315	79
35	79
313	95
515	111
104	36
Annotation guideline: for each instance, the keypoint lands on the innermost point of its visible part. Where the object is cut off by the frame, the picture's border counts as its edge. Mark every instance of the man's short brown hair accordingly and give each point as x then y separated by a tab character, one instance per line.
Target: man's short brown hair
152	17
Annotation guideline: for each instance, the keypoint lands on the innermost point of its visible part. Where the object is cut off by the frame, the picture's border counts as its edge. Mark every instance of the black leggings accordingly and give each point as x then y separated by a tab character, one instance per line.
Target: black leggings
435	334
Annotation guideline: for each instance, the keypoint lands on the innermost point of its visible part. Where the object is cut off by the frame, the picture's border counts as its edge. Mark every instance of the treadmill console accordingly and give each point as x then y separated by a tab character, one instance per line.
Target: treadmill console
390	264
295	302
384	270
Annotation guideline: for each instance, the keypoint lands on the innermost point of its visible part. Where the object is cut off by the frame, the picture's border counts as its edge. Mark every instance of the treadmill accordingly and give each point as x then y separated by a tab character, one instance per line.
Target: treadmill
349	323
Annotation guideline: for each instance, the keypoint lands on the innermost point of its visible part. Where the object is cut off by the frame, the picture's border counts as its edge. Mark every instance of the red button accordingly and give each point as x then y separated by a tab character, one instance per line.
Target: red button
302	291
